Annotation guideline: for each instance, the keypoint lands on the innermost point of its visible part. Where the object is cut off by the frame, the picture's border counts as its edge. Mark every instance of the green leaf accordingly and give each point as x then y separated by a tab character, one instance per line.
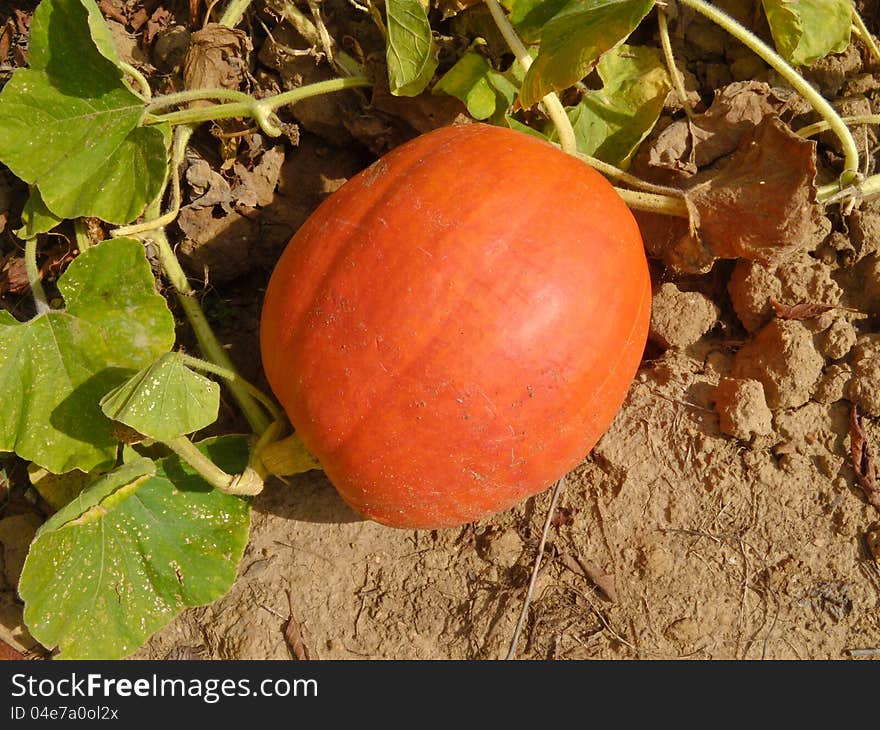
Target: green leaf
164	400
573	40
135	549
612	122
530	16
806	30
70	126
473	80
36	218
57	36
55	368
411	52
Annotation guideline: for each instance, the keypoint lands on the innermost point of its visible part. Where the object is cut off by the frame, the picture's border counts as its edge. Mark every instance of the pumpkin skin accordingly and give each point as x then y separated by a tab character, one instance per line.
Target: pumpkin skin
454	328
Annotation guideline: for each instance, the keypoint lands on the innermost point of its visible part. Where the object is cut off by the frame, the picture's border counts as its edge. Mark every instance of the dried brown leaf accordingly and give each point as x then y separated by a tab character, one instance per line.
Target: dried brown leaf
761	204
801	311
56	259
257	187
687	145
605	582
217	58
13	276
295	637
7	33
7	653
863	458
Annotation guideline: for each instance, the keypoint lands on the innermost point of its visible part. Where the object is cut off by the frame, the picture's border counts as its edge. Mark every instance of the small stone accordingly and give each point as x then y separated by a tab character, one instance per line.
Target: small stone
678	318
742	409
783	358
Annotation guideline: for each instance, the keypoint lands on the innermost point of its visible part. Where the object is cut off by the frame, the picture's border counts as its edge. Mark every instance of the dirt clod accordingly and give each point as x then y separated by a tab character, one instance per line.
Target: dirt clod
742	409
783	358
680	318
864	390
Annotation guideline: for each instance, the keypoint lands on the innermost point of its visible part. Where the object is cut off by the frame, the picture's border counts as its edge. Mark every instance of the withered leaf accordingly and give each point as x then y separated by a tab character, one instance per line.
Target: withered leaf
217	58
687	145
761	203
7	32
7	653
801	311
294	635
13	276
605	582
863	458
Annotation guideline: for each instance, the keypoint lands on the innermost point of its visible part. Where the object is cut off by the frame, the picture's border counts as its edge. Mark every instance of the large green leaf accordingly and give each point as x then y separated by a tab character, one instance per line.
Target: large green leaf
530	16
807	30
164	400
138	546
611	122
574	39
70	126
55	368
411	52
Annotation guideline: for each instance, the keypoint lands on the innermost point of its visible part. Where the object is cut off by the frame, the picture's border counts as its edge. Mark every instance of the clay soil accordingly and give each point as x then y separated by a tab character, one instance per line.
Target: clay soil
721	516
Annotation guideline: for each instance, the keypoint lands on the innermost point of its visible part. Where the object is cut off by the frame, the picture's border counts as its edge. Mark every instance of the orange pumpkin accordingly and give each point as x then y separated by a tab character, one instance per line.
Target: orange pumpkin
455	327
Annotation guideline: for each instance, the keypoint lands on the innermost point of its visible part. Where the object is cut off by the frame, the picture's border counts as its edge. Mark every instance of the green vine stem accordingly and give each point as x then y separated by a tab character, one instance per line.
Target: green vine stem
182	135
83	242
33	275
143	86
674	73
654	203
234	13
183	97
260	110
249	482
798	82
233	377
863	33
669	202
552	105
818	127
208	343
617	174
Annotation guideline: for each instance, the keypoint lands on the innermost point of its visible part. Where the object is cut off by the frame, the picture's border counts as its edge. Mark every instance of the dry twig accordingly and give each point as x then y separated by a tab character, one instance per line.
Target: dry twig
557	490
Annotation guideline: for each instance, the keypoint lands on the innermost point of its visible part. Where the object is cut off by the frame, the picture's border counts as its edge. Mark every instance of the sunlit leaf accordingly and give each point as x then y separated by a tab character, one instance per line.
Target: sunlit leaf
806	30
164	400
70	125
55	368
574	39
136	548
411	52
611	122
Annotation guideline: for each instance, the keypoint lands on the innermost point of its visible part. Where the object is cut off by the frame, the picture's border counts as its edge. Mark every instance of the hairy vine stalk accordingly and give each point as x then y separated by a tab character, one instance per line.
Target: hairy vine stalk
33	274
654	202
551	102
